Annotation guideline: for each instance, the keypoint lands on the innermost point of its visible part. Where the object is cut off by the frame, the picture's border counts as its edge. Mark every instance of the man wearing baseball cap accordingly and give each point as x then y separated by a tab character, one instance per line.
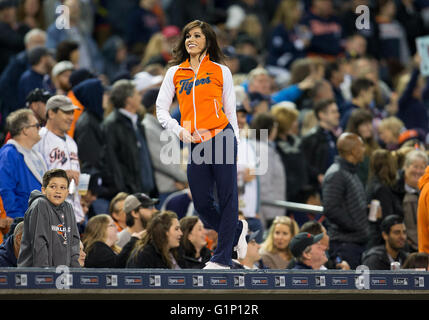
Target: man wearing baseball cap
61	73
58	149
139	209
36	101
253	258
308	251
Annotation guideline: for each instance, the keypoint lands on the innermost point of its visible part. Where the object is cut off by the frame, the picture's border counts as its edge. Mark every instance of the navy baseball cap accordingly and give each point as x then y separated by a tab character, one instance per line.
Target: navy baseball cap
241	108
252	236
301	241
37	95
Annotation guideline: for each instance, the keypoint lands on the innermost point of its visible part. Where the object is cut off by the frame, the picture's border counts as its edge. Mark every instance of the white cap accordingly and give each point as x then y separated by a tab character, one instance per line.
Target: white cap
62	66
144	80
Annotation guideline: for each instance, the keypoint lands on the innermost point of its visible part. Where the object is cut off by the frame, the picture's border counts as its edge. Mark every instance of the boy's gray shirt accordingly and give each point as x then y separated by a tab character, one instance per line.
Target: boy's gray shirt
50	237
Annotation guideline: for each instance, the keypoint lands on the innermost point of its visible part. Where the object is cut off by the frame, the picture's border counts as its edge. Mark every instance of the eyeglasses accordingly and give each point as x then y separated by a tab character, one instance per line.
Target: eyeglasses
37	125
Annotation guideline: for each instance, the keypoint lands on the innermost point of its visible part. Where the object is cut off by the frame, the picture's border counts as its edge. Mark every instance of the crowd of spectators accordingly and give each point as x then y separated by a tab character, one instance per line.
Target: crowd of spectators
329	114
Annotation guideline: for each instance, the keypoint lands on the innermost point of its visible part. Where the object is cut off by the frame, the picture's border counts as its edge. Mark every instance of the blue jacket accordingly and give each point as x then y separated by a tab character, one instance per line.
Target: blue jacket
282	51
327	33
7	254
411	110
16	181
9	80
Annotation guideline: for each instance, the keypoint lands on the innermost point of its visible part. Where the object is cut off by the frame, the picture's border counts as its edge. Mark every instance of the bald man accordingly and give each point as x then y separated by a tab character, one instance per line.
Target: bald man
344	202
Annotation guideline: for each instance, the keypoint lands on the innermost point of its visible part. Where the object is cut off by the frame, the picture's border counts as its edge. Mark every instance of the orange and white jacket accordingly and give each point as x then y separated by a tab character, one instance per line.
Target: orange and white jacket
206	99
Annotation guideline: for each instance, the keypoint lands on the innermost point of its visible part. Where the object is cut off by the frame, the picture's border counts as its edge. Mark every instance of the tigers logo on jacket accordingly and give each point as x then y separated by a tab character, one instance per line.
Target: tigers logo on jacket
61	230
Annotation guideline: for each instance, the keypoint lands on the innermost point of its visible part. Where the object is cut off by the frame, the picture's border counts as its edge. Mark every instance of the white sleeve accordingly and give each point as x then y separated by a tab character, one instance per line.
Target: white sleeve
229	102
164	100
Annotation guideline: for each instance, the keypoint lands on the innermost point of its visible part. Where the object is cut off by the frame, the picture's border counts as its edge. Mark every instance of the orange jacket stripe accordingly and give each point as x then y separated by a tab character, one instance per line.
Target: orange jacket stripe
77	112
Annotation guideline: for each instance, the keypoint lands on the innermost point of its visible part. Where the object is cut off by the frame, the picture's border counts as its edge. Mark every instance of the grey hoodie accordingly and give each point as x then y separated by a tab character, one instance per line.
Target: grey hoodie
50	237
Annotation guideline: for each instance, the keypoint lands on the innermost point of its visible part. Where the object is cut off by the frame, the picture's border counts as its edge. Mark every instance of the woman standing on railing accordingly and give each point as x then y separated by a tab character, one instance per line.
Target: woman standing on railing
206	96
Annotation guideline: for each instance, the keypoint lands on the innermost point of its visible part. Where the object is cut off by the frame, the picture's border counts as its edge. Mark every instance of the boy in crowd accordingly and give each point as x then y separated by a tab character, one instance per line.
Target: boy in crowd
50	236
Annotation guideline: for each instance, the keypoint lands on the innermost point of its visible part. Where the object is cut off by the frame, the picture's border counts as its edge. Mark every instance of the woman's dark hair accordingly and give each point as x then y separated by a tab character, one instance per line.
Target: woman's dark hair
383	166
358	117
65	49
262	121
187	224
416	260
180	54
156	234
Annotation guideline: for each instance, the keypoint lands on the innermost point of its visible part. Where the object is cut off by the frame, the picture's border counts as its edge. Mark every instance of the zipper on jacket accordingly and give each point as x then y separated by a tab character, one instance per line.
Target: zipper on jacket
215	106
193	98
193	95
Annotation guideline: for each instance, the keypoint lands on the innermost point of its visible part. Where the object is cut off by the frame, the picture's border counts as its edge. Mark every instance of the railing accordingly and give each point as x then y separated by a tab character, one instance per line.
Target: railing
37	282
298	207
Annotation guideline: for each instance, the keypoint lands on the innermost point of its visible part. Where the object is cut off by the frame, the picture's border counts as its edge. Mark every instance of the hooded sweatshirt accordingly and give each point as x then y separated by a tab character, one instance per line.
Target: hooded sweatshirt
88	135
423	213
50	237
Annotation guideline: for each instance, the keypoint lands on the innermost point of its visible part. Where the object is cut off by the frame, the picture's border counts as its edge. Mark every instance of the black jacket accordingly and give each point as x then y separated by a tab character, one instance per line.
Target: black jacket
389	203
344	202
88	134
315	147
376	258
102	256
148	258
7	253
186	260
123	170
295	165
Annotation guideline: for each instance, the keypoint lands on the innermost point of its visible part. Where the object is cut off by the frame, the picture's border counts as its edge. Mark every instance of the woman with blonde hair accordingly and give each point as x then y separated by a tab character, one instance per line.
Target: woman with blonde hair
288	40
389	130
275	250
156	49
414	167
99	244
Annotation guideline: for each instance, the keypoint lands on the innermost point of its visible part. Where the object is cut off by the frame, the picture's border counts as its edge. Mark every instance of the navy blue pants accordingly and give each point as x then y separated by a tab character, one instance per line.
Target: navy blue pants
213	164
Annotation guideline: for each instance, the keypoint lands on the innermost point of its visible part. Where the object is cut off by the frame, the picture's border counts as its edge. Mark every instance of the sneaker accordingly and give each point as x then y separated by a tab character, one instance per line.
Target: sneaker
214	265
241	247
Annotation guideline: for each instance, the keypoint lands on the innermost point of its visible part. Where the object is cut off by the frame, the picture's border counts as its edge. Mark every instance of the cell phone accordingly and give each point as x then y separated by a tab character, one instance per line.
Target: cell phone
338	260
